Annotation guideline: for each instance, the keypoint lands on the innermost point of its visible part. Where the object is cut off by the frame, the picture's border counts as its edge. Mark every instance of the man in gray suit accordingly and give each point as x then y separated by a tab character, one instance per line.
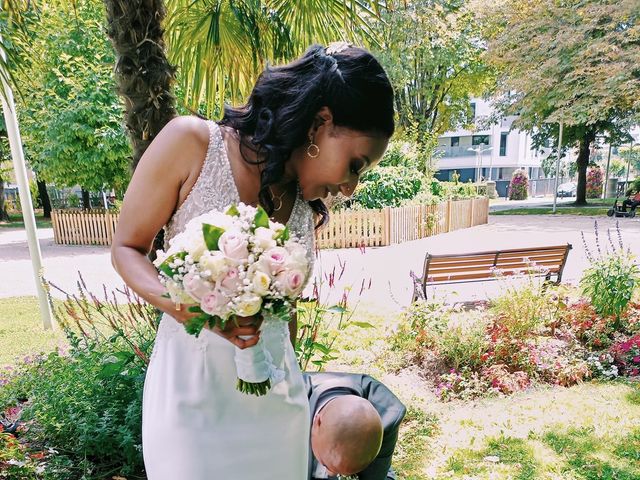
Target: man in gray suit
354	426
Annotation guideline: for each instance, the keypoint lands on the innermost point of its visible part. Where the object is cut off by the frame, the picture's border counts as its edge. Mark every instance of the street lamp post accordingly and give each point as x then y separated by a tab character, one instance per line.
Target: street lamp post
555	190
479	151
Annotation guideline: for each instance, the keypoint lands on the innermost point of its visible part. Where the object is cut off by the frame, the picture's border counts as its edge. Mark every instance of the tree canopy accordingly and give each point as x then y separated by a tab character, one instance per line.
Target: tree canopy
576	62
71	118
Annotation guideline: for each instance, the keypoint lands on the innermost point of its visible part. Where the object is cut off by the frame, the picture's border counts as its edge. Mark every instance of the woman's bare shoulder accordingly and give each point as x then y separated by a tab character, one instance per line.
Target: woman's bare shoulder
187	129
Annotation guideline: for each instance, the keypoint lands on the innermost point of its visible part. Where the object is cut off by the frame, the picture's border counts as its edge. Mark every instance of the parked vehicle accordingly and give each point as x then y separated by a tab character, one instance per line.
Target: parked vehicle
567	189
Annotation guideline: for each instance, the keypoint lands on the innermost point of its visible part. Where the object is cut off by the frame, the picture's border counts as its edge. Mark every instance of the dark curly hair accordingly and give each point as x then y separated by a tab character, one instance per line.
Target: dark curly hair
285	99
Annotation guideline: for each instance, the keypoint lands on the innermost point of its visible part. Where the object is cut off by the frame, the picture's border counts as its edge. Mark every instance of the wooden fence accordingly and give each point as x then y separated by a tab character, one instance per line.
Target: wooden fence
369	228
77	227
372	228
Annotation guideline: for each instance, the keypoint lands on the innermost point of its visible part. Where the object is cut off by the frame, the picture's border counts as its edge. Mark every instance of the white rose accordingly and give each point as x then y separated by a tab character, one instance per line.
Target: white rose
215	262
234	245
248	305
195	286
264	238
177	294
261	283
297	256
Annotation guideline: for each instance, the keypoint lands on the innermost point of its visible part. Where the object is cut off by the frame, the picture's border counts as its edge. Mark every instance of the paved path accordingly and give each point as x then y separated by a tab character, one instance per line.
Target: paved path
384	271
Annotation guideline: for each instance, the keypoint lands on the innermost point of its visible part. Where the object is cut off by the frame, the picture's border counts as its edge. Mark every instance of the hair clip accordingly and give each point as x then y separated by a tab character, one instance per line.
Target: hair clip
337	47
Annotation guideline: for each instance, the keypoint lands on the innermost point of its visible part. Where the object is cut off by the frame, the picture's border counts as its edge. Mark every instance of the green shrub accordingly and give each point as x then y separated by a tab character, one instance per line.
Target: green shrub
612	277
387	187
86	404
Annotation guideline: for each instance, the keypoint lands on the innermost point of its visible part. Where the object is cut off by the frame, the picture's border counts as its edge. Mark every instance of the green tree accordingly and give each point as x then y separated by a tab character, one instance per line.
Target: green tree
631	155
574	62
70	114
432	51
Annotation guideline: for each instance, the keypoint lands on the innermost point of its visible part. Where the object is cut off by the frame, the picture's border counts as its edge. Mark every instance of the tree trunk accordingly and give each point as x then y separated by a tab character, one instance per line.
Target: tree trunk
144	75
4	215
583	162
44	198
86	200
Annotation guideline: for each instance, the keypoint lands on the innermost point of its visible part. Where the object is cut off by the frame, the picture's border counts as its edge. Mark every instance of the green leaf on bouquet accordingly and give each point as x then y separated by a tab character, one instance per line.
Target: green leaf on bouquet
261	219
195	309
212	235
166	269
282	236
195	325
233	211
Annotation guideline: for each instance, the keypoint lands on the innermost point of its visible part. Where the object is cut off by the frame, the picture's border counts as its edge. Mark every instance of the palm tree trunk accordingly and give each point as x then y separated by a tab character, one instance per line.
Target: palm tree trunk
144	75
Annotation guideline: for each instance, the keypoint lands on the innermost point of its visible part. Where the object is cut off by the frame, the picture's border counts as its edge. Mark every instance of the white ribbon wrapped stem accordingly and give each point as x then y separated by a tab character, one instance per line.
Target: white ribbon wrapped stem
255	364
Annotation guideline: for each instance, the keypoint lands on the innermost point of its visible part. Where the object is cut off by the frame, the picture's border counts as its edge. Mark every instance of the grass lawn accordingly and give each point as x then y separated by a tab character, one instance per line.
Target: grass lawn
15	221
591	211
21	331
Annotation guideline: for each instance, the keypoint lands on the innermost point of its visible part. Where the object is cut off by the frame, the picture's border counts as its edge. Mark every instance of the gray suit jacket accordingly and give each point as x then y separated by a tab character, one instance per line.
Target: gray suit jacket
321	387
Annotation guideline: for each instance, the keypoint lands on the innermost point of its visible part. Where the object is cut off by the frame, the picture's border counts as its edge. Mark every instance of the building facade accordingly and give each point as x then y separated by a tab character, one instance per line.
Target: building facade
490	152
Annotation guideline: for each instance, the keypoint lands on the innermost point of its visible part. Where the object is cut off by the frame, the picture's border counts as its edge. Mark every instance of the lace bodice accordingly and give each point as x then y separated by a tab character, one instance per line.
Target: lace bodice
215	189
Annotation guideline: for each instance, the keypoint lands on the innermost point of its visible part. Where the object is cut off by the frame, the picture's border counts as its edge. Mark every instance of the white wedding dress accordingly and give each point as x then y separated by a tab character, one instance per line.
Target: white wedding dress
195	424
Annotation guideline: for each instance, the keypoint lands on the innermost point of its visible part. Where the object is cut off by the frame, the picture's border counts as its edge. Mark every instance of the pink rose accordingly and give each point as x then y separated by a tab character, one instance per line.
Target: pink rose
231	281
214	303
274	260
195	286
291	281
234	245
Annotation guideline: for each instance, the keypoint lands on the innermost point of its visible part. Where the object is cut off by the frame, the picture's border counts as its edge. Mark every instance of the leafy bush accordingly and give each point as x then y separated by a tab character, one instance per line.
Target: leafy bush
612	277
594	182
387	187
86	403
453	190
518	187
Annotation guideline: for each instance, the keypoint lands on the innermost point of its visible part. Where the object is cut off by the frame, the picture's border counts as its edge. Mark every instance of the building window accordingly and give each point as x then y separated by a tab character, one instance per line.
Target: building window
500	173
455	141
473	110
503	144
478	139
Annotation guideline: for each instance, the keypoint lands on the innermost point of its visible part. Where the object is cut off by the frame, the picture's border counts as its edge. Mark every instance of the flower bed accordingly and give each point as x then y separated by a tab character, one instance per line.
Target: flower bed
560	335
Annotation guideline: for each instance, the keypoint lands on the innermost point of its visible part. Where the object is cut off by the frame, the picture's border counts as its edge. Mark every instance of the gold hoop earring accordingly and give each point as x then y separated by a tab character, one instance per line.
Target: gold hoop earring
313	150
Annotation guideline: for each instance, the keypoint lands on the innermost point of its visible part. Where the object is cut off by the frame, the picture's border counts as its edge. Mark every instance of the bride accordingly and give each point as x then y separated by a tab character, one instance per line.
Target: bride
309	129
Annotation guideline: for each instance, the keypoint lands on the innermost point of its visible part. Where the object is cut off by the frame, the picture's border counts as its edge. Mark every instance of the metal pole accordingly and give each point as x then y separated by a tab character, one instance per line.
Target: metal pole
606	174
15	142
626	182
555	189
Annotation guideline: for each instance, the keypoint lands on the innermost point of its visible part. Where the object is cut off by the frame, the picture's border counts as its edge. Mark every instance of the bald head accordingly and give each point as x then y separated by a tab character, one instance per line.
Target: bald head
346	435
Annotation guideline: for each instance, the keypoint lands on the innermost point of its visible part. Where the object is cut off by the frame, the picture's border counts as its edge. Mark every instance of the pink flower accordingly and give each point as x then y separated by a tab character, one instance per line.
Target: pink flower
231	281
195	286
234	245
274	260
636	359
291	281
214	303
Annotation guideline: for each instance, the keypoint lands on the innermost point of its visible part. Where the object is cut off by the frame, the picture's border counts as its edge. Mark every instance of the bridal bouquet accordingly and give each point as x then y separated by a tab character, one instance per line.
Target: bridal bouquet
237	263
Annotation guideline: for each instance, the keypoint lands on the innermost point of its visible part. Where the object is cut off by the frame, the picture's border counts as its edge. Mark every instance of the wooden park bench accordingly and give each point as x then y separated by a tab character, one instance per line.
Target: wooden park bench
485	266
